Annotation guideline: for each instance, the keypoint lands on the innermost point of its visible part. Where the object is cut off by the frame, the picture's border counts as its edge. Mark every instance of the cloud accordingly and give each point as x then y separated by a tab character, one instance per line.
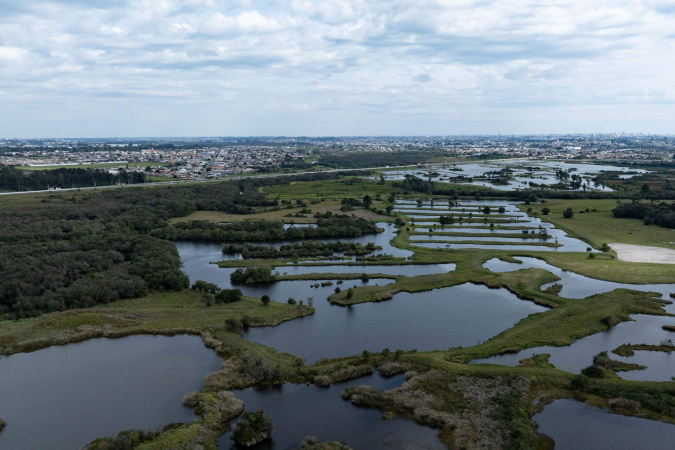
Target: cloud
337	65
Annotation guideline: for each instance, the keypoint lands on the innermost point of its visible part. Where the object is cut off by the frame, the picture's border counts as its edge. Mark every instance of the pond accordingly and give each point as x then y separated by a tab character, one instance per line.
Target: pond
459	315
573	284
67	396
577	426
512	218
543	172
298	411
644	329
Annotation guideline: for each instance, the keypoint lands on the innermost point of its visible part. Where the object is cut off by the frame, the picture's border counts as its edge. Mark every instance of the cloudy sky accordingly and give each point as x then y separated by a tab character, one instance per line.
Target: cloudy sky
102	68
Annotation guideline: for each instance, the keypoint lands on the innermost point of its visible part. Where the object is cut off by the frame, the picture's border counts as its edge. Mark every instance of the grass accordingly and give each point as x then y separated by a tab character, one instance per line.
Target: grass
323	207
601	227
164	313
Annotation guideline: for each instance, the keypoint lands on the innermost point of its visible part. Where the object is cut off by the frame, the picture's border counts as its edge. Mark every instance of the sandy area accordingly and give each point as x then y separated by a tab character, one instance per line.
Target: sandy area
641	253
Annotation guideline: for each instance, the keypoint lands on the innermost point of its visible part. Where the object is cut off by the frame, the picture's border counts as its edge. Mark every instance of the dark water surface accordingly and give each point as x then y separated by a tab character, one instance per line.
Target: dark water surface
298	411
63	397
577	426
459	315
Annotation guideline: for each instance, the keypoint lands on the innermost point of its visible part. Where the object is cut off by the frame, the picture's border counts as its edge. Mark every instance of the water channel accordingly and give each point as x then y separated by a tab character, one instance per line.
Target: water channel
63	397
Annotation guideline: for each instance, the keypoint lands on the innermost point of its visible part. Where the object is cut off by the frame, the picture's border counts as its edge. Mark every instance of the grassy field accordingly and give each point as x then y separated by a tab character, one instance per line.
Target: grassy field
323	207
165	313
601	227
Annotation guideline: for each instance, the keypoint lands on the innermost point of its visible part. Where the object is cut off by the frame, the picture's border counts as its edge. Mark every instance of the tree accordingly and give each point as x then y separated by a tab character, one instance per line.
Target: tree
645	189
265	299
253	427
486	210
545	211
568	213
367	202
501	210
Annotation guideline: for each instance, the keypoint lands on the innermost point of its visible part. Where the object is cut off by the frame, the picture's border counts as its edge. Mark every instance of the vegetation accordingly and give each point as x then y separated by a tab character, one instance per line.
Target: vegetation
305	249
12	178
662	214
327	227
629	349
254	427
125	440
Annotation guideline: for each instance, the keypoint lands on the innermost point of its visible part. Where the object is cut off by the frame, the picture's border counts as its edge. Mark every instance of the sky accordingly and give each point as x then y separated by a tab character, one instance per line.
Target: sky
125	68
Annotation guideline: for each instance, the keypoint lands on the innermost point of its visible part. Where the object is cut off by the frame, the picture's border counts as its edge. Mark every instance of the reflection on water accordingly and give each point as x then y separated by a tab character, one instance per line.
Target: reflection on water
67	396
578	426
298	411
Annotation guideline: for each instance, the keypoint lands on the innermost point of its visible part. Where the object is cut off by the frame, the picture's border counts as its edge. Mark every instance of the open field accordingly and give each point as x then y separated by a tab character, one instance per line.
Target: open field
601	227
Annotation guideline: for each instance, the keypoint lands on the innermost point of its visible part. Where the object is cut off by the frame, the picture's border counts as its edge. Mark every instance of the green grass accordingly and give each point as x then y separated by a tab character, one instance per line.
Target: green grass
601	227
165	313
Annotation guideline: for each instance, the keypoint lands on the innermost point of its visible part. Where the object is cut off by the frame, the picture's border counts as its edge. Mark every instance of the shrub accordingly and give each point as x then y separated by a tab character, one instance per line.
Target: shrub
545	211
254	427
265	299
350	292
594	372
233	325
229	295
337	290
579	382
291	301
568	213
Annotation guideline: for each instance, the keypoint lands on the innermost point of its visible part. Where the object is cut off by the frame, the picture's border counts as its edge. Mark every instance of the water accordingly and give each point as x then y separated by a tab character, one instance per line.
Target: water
512	217
67	396
578	426
197	258
644	329
298	411
459	315
521	174
573	284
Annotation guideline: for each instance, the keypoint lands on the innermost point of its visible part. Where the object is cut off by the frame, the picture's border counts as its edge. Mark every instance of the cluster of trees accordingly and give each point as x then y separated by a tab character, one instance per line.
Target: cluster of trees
662	214
220	295
333	226
299	250
15	179
252	275
254	427
68	250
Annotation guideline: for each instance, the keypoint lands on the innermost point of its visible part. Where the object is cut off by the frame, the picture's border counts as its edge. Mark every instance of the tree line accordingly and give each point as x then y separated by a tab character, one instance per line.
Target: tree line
65	250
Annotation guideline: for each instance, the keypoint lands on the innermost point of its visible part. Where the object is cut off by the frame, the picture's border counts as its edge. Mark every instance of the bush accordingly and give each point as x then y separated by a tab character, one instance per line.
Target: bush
545	211
594	372
579	382
291	301
265	299
254	427
233	325
350	292
568	213
229	295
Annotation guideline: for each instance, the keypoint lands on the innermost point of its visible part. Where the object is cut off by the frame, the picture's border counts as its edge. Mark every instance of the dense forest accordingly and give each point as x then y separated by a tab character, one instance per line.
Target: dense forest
15	179
300	250
333	226
662	214
77	249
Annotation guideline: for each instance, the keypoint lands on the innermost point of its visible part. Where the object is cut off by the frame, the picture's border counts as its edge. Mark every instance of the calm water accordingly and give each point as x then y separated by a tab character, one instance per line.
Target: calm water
64	397
511	218
644	329
460	315
578	426
298	411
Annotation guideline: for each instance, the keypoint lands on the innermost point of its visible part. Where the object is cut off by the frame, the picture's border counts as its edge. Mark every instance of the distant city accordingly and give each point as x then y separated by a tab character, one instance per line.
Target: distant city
200	158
